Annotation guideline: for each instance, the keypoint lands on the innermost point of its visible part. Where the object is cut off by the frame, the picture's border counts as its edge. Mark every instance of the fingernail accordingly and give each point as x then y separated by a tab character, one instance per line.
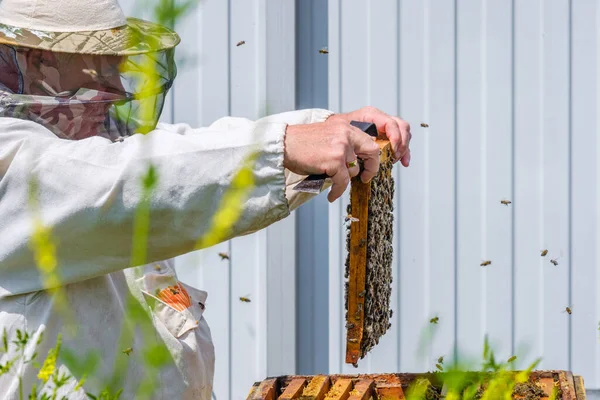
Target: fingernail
397	155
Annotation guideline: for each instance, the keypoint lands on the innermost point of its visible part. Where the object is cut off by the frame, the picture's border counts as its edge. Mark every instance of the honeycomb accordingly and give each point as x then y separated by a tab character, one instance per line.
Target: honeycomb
379	253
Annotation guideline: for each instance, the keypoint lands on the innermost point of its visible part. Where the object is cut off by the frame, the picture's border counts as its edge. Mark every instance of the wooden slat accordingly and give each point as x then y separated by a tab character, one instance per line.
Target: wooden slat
579	387
340	390
316	389
547	385
266	390
389	392
359	199
294	389
252	391
565	379
363	390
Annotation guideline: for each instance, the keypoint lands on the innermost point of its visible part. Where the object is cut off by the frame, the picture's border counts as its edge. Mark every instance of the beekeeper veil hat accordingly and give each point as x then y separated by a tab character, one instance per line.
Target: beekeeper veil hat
81	68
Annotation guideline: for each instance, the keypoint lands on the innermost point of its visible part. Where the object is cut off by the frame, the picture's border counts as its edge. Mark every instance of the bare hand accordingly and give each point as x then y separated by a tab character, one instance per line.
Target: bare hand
327	148
396	129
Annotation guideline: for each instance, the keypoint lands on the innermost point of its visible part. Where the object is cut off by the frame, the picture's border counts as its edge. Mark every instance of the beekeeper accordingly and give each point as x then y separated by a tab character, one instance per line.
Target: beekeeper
70	107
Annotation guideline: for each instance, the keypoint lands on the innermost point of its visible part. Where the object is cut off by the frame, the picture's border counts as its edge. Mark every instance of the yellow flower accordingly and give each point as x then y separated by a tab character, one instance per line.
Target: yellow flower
49	366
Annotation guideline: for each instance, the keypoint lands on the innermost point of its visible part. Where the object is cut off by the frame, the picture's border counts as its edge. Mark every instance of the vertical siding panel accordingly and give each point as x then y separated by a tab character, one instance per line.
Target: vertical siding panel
336	238
497	152
554	185
247	352
471	179
413	316
201	95
312	317
441	178
585	342
280	82
527	197
355	85
383	43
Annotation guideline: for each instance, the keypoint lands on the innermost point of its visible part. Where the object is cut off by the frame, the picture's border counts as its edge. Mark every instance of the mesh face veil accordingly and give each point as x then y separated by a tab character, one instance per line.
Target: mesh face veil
78	95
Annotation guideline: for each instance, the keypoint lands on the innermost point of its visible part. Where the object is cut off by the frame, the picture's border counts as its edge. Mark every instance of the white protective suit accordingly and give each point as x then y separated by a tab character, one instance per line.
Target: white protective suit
88	193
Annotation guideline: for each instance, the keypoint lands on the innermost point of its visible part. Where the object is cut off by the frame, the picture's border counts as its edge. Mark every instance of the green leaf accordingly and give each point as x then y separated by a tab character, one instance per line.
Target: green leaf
5	341
151	178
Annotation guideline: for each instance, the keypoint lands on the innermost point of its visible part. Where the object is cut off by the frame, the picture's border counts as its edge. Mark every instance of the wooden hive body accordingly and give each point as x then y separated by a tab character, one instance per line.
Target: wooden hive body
391	386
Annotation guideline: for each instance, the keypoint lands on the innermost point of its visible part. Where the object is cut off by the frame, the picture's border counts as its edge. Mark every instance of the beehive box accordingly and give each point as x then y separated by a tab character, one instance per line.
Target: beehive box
394	386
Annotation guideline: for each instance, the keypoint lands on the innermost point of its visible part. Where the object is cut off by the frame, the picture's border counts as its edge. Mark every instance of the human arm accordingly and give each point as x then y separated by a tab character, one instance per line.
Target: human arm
89	191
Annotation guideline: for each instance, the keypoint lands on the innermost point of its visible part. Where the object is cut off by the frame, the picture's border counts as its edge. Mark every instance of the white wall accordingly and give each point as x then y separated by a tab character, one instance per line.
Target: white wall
510	92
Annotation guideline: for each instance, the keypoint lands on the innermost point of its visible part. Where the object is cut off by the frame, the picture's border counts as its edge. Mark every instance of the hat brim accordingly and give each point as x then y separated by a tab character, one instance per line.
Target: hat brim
137	37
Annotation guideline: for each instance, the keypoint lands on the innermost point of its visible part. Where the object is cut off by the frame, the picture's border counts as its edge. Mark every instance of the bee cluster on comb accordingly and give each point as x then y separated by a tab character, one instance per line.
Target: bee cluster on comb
368	268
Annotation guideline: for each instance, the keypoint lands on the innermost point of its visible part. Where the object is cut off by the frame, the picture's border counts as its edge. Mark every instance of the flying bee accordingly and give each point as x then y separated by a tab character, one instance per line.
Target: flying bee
224	256
324	50
511	359
441	360
434	320
128	351
245	299
544	252
424	125
505	202
554	261
485	263
439	366
568	310
350	218
241	42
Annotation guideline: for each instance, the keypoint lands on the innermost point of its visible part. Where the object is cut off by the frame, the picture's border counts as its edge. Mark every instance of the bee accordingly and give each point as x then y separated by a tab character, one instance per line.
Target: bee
485	263
424	125
352	340
241	42
362	294
511	359
157	267
174	291
128	351
324	50
439	366
568	310
441	360
505	202
245	299
224	256
434	320
350	218
349	325
554	261
544	252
